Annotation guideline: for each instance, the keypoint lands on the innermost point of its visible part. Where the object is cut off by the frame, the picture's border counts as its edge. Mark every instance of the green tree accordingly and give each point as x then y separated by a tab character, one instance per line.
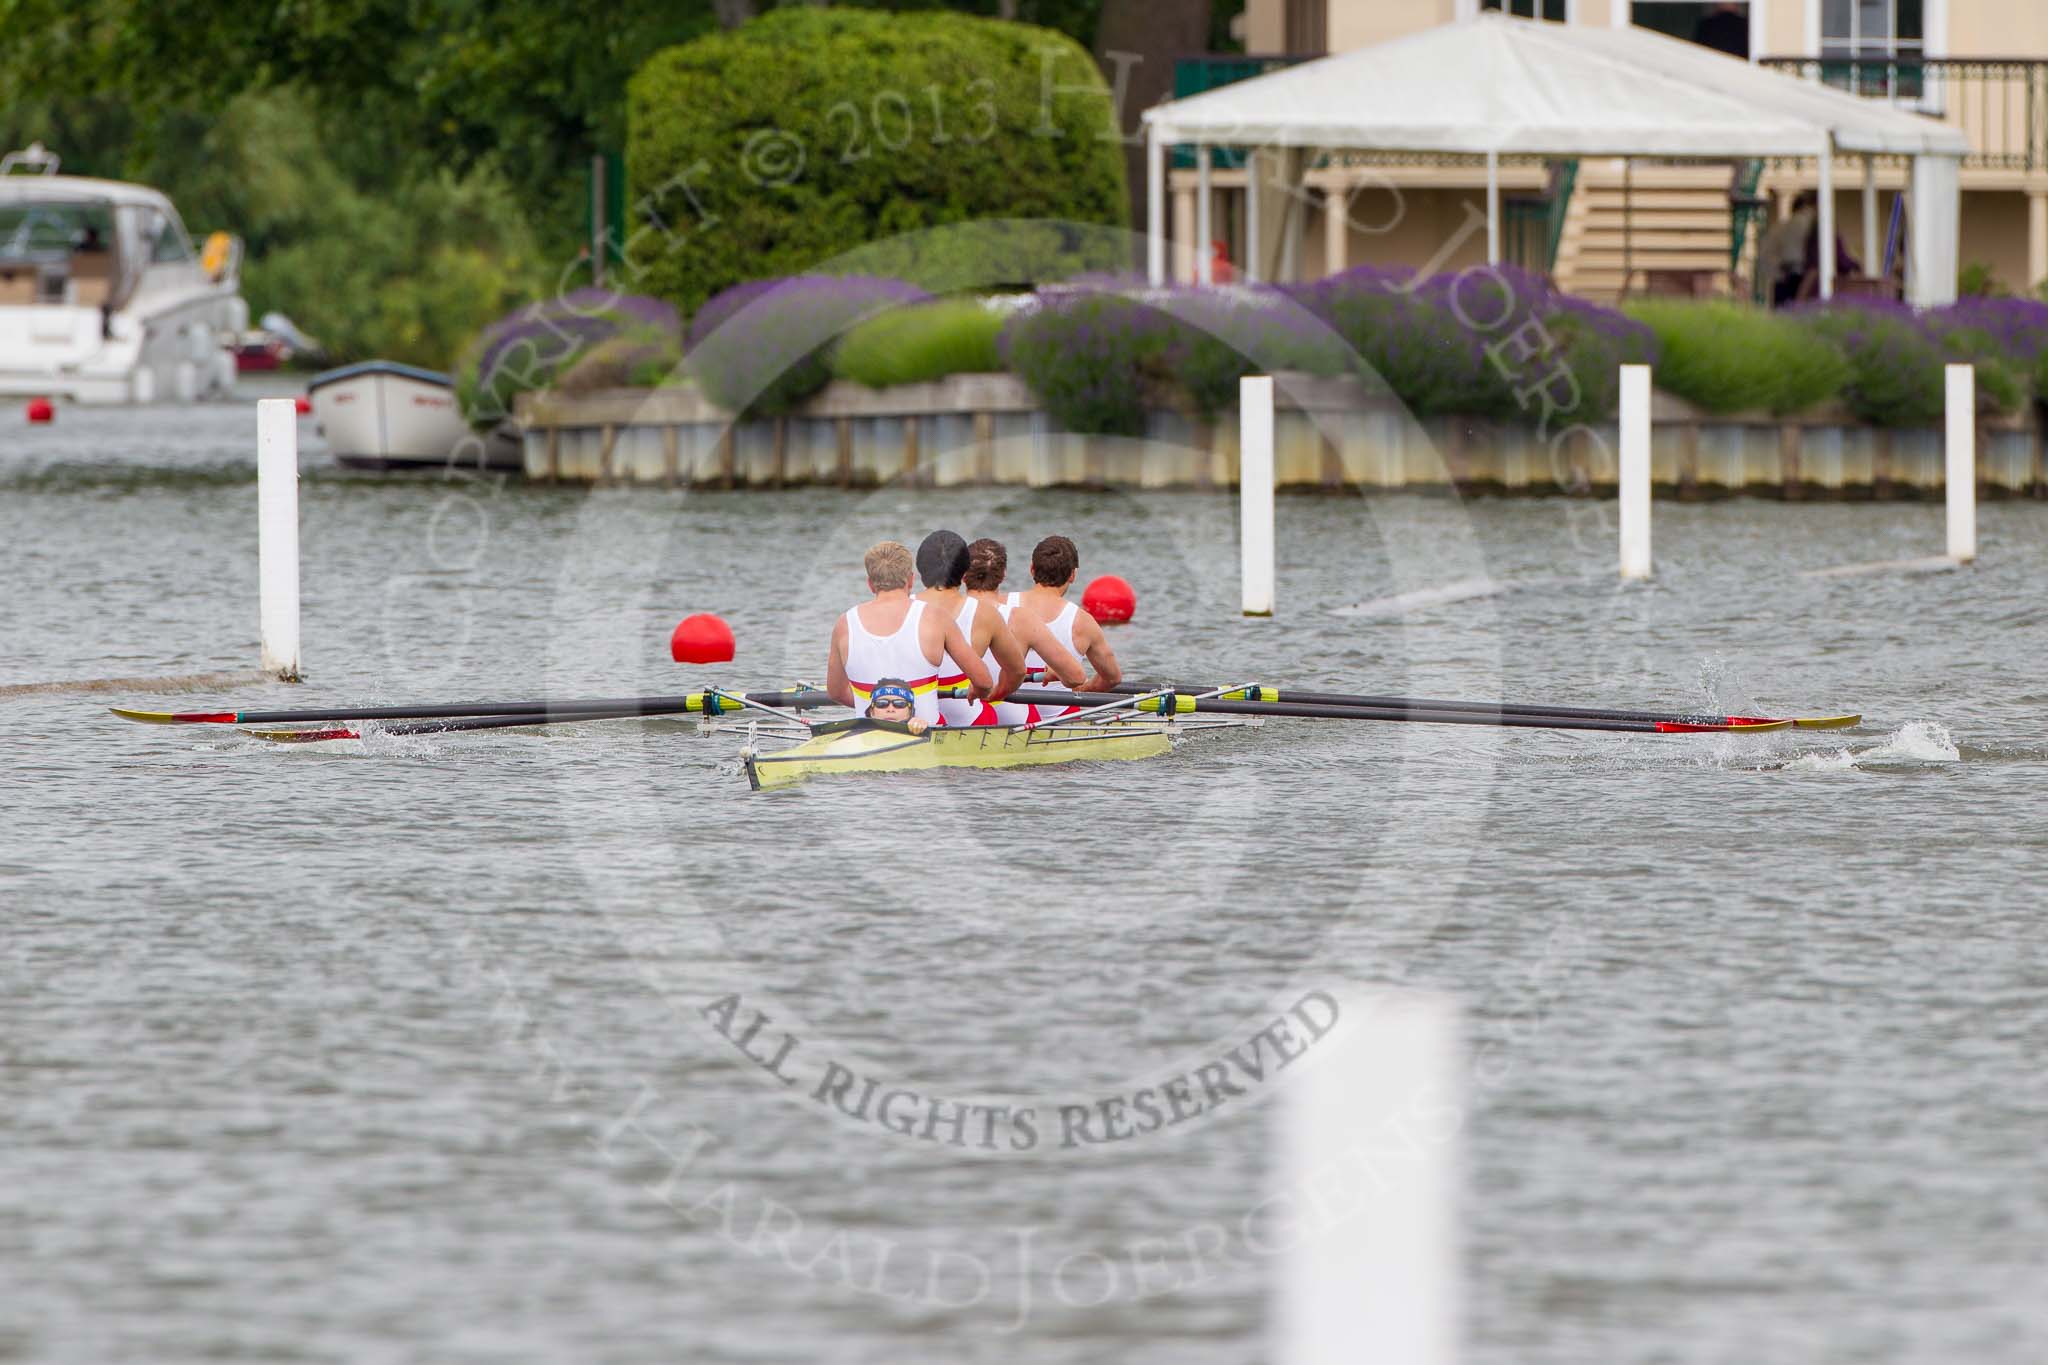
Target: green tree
808	133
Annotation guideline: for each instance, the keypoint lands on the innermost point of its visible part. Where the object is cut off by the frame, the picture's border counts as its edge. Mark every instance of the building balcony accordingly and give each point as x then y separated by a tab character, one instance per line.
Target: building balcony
2000	104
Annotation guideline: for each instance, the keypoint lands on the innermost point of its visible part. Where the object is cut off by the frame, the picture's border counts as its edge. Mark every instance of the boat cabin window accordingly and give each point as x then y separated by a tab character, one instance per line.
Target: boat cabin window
167	239
51	232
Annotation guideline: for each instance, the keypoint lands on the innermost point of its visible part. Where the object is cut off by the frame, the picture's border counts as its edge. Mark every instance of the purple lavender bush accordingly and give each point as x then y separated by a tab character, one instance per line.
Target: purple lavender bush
1086	356
1493	342
1896	356
529	348
1498	343
760	347
1215	337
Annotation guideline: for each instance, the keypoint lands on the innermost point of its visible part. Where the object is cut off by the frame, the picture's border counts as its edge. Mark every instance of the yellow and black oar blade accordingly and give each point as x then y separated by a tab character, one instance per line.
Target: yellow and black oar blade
1489	709
1521	718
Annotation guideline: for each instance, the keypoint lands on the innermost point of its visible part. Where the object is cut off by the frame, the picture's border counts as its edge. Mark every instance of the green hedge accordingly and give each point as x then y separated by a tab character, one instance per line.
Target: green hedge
778	147
1727	358
924	342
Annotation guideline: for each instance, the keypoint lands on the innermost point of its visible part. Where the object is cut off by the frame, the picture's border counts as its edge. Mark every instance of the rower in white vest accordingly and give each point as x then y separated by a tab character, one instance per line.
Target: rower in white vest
895	636
943	563
987	563
1054	564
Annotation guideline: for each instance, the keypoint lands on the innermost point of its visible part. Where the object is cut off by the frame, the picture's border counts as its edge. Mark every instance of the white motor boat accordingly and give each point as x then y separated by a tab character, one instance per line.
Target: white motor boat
384	415
103	298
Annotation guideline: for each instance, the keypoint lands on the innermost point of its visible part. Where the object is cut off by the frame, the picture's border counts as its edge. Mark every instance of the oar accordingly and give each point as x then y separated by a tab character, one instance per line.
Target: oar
611	706
450	725
1274	694
1181	704
1134	703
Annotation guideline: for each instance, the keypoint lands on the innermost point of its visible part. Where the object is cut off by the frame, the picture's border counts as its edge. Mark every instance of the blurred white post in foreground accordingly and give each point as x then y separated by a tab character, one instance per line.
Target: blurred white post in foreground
277	515
1962	463
1370	1168
1255	491
1635	471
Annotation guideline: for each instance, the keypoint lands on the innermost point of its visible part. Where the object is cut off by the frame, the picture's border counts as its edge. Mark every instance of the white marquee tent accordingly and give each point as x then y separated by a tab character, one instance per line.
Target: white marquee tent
1495	85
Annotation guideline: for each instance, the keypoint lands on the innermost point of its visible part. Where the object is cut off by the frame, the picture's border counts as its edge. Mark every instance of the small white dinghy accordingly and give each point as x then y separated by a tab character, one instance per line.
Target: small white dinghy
384	415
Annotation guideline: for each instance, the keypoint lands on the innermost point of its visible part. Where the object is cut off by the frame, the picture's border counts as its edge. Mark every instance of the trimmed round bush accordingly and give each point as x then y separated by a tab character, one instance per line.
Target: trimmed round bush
1725	357
760	347
922	342
779	146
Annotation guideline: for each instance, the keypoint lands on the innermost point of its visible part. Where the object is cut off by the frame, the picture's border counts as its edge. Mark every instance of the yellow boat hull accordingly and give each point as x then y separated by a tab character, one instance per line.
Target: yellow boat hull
869	747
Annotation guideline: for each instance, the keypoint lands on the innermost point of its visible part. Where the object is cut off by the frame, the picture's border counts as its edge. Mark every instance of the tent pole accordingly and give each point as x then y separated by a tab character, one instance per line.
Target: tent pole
1826	225
1205	252
1254	173
1493	208
1628	223
1155	206
1870	261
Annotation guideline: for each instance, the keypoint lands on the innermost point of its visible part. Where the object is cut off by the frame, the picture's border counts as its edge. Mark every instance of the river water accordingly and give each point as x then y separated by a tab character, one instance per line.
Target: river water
408	1049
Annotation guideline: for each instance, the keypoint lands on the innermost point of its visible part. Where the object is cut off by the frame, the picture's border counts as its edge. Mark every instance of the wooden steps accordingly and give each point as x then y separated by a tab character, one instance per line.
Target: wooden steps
1674	220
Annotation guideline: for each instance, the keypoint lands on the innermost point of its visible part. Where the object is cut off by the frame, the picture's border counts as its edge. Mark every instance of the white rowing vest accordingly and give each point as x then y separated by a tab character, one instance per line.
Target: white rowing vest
961	710
1005	712
871	658
1062	628
1035	671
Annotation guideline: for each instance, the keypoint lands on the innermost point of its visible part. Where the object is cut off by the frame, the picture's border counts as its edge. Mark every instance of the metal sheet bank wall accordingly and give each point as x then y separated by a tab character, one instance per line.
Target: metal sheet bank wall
1330	435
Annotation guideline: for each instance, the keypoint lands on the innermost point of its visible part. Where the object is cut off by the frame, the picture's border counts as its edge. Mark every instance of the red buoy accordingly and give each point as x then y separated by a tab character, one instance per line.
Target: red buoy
1109	600
701	639
303	404
41	410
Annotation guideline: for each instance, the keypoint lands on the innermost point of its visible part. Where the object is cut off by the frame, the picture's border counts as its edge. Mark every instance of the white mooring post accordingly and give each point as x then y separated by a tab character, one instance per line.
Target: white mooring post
1368	1178
1962	463
1255	491
1635	471
277	514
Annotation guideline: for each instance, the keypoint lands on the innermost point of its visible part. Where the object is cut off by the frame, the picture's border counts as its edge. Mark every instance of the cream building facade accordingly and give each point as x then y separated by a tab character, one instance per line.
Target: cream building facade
1603	227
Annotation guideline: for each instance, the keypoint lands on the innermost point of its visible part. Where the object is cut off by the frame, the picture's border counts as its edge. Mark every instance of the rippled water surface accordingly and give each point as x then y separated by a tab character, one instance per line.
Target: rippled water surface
399	1049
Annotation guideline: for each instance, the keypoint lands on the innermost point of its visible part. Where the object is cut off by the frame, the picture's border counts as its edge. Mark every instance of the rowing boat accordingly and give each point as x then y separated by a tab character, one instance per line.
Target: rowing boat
873	746
1095	725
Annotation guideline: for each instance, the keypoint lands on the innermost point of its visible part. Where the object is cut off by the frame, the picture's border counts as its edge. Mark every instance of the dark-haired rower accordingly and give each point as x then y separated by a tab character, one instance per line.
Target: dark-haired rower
1054	564
942	563
987	563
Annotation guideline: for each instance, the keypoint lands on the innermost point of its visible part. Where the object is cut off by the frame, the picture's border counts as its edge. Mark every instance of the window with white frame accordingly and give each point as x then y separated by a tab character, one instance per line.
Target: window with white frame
1529	9
1874	47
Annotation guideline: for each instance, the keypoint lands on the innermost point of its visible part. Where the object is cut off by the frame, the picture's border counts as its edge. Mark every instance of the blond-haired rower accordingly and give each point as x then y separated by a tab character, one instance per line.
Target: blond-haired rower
892	635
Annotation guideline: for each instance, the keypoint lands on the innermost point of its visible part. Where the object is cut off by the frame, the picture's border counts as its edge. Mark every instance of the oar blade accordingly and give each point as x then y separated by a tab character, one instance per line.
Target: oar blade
1727	727
302	736
174	717
1827	722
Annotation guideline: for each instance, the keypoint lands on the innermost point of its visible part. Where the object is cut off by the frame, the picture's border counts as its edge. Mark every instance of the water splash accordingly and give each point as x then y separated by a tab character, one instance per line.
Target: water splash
1916	744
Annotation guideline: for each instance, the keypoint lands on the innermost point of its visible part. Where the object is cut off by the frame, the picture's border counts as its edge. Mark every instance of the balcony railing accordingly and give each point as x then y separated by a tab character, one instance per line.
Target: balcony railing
1213	71
1999	103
